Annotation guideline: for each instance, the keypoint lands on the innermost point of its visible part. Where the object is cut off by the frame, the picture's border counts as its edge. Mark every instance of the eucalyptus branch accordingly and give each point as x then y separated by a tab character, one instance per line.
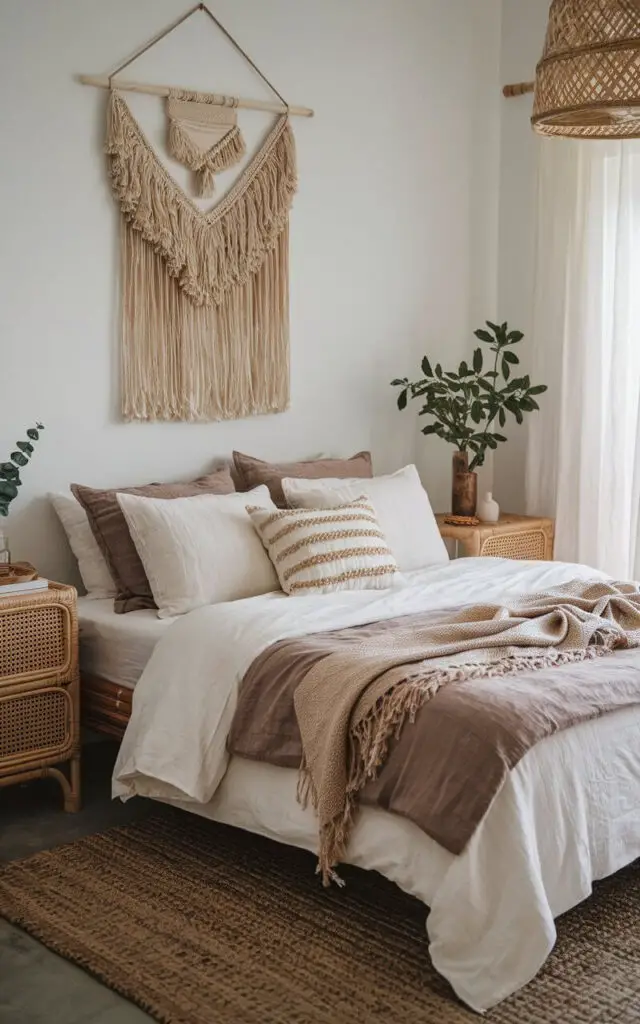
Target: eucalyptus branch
10	471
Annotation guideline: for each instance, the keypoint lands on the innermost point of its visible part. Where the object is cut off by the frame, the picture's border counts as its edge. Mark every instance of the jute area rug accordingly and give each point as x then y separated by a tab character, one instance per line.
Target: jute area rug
202	924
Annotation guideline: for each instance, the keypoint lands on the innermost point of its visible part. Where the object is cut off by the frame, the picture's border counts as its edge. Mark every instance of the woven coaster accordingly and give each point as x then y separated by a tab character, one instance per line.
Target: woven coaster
462	520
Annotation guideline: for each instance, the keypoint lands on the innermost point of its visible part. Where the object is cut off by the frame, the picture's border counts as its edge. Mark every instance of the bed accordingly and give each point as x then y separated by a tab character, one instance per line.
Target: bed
568	814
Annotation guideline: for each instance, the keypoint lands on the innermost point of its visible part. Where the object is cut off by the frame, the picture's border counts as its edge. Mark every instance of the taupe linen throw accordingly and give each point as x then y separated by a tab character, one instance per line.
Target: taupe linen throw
352	702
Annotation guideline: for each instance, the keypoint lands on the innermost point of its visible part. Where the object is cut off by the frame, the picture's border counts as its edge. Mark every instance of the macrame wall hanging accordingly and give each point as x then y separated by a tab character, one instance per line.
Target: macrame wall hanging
205	295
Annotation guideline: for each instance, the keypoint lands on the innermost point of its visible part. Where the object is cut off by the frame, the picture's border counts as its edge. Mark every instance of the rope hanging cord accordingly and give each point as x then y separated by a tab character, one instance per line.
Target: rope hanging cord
107	81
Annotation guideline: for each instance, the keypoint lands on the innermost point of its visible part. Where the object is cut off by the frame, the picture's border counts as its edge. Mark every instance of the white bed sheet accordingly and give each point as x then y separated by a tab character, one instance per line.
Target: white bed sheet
568	814
117	647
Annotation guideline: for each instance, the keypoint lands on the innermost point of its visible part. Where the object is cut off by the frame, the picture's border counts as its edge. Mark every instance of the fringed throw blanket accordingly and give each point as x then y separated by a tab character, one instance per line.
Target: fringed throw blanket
205	295
341	700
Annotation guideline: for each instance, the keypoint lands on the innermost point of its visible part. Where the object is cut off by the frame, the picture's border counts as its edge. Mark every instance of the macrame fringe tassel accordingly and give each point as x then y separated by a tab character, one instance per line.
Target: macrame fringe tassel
208	254
186	362
225	154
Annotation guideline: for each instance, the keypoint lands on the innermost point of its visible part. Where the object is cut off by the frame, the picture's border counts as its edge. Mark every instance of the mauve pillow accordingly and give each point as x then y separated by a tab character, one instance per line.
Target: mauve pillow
252	472
112	533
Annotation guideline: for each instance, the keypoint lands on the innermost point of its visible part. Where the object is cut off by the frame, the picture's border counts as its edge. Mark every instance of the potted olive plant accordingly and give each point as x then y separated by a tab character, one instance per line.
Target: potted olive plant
465	407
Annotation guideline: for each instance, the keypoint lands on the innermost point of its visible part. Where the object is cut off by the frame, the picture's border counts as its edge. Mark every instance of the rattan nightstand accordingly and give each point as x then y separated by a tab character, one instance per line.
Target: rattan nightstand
520	537
39	689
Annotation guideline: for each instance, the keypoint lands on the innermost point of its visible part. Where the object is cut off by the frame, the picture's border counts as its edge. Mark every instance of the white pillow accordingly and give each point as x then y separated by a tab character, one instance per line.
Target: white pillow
402	506
320	551
199	550
91	563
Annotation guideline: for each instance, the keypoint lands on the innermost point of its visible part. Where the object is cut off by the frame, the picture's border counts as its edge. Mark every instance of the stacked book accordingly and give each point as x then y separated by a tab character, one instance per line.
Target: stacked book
10	589
20	578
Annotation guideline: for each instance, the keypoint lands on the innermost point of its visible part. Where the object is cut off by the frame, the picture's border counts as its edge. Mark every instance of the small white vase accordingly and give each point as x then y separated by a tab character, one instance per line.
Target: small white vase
488	510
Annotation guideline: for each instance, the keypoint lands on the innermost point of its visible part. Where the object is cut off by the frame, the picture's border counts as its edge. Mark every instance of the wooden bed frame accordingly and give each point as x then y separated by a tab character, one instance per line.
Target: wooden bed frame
105	706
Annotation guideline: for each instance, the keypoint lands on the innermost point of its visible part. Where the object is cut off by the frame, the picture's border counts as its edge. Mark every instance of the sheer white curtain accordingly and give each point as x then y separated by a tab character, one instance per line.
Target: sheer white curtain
583	462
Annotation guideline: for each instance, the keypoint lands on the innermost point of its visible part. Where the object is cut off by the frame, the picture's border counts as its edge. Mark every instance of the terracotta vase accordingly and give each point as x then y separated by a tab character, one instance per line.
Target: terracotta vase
464	493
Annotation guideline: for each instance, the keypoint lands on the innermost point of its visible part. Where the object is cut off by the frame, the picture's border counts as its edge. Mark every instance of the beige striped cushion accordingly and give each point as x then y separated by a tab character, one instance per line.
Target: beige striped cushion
318	551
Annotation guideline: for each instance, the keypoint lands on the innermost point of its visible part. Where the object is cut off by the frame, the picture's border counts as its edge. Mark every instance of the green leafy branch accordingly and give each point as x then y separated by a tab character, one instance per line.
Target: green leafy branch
10	471
466	405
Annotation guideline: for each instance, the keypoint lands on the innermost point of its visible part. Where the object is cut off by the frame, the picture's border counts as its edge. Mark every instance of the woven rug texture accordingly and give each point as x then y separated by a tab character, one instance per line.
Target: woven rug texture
198	923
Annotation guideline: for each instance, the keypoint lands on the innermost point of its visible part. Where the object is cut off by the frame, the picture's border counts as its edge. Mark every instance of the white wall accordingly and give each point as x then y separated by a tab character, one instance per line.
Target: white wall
524	24
393	243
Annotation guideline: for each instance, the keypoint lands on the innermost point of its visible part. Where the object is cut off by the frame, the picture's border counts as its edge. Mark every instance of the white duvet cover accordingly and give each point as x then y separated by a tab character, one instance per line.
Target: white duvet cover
568	814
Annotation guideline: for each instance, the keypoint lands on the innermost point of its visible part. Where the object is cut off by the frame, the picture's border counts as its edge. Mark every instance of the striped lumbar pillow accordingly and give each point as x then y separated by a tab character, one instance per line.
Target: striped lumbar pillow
318	551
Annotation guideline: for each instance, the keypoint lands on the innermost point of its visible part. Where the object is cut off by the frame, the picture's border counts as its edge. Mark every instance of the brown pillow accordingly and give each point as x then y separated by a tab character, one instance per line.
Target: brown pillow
114	540
252	472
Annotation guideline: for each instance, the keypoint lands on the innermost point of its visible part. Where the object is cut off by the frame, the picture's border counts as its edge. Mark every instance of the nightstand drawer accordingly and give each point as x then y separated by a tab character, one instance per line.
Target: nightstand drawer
39	689
35	639
525	538
530	545
37	724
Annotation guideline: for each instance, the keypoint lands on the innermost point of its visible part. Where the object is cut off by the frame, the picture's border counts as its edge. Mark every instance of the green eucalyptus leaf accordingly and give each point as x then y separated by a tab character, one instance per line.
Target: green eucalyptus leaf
426	367
502	419
514	337
463	369
19	458
8	490
33	434
439	371
493	327
477	412
394	384
402	400
539	389
506	372
511	357
431	429
477	361
499	437
8	471
25	447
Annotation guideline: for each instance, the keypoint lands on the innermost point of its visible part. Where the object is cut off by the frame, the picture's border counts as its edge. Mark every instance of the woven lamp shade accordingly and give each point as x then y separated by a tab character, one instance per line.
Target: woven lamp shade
588	81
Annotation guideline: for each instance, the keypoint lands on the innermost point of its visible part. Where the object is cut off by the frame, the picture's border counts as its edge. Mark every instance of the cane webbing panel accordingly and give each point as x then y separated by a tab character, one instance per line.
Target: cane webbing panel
37	722
523	545
34	639
38	635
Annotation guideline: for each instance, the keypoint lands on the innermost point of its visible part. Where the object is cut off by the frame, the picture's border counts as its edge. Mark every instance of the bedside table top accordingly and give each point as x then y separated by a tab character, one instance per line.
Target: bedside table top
507	521
60	593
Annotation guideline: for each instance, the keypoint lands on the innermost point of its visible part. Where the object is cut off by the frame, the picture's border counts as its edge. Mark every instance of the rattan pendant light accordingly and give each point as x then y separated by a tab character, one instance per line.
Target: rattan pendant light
588	81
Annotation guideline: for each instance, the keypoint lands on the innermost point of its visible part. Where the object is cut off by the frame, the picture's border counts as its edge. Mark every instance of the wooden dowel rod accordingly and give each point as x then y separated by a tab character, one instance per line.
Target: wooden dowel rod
519	89
103	82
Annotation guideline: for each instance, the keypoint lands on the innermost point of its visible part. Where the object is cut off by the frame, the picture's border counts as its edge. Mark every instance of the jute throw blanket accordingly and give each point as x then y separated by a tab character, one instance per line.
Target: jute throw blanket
349	709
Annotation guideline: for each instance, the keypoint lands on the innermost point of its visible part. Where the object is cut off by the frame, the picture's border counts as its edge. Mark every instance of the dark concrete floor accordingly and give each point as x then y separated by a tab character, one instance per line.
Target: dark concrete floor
36	986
